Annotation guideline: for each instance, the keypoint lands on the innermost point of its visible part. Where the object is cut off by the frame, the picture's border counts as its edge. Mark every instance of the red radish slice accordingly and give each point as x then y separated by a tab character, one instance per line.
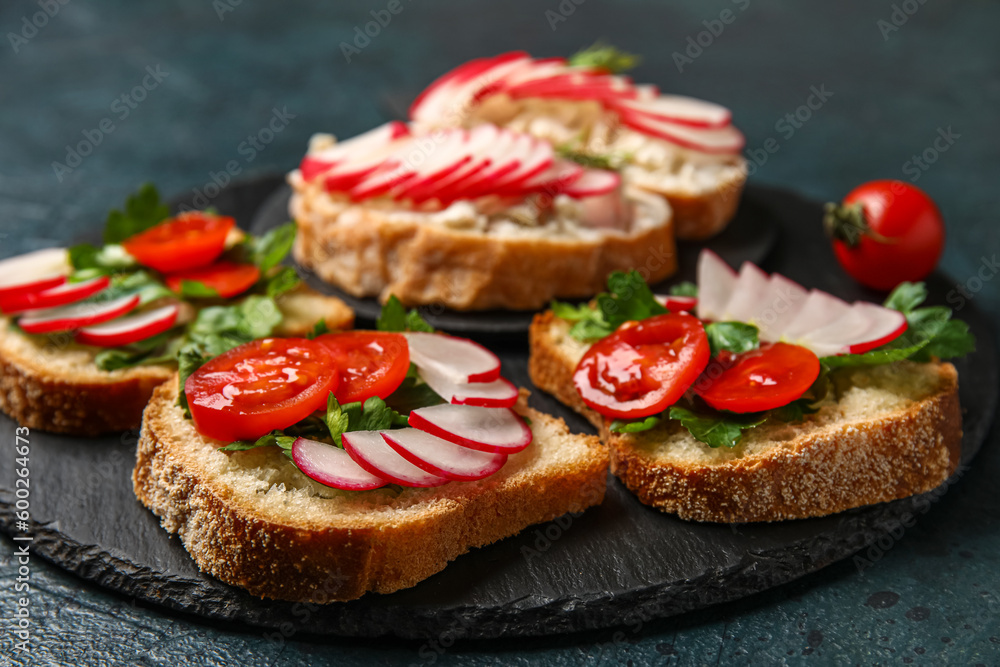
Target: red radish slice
607	211
553	180
448	98
819	310
863	328
130	329
677	304
593	182
362	144
67	318
445	154
750	289
33	271
726	140
355	167
480	145
443	458
499	393
332	466
779	306
484	429
457	359
537	157
61	295
715	285
681	110
370	451
381	181
886	325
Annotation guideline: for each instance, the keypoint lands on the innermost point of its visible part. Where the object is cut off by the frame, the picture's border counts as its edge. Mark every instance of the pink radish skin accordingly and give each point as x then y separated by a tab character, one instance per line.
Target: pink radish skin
593	182
33	271
499	393
726	140
878	338
332	466
681	110
484	429
62	295
370	451
440	457
460	360
75	316
677	304
129	329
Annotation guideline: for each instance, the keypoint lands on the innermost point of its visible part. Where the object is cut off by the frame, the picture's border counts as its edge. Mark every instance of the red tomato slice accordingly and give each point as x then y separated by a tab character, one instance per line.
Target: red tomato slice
644	367
226	278
186	241
260	386
762	379
371	363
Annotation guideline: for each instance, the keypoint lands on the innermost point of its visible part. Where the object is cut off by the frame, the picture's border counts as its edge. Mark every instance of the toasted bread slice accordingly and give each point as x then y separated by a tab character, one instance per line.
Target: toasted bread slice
253	520
52	384
886	432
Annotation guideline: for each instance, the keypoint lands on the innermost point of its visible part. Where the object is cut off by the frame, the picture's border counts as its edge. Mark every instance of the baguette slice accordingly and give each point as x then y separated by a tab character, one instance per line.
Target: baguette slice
52	384
253	520
887	432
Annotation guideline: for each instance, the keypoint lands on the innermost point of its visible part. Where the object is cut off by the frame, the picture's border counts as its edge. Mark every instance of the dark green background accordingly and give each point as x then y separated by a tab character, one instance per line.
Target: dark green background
931	596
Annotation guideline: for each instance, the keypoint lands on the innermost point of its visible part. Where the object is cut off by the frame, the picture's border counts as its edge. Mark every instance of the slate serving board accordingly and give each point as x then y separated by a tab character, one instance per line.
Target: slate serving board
748	238
614	565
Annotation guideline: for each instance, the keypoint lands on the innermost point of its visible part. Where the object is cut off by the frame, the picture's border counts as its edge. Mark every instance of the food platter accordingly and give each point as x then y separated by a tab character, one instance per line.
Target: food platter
613	565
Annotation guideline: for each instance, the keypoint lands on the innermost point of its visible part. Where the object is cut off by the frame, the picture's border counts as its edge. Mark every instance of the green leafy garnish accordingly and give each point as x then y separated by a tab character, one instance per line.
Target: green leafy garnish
635	425
685	288
281	281
412	393
589	159
90	261
604	57
906	297
318	330
269	250
373	415
395	317
272	439
628	298
142	211
720	429
128	284
196	289
158	349
735	337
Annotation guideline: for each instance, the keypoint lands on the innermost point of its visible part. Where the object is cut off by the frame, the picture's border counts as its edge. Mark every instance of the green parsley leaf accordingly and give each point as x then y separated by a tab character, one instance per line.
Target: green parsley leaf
337	422
281	281
722	429
571	313
736	337
142	211
196	289
159	349
604	57
906	297
100	261
685	288
395	317
588	159
269	250
412	393
951	341
188	361
272	439
127	284
374	415
318	330
416	322
635	425
630	299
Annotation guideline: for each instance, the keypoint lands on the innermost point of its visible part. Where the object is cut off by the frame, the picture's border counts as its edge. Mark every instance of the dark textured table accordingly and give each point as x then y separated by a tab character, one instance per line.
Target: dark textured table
905	90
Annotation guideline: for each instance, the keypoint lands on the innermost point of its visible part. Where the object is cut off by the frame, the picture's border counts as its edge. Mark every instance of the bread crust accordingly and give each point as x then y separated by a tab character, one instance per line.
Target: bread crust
469	270
343	557
700	216
825	470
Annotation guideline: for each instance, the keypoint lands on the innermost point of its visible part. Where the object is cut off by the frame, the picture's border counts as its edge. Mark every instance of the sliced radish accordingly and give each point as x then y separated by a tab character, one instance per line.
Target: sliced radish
61	295
440	457
332	466
443	157
681	110
819	310
864	327
129	329
779	306
677	304
886	325
370	451
727	140
534	157
33	271
560	175
715	285
381	181
750	289
593	182
457	359
499	393
483	429
448	98
78	315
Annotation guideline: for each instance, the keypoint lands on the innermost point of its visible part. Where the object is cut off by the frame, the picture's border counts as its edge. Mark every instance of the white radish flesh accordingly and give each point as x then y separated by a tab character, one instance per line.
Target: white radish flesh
499	393
129	329
34	271
440	457
748	292
715	285
458	359
593	182
783	301
370	451
819	310
332	466
682	110
61	295
484	429
67	318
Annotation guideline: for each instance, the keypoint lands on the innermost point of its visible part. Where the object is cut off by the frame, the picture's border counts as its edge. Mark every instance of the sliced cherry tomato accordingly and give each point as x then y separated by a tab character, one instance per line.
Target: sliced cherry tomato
643	367
226	278
371	363
769	377
260	386
886	232
186	241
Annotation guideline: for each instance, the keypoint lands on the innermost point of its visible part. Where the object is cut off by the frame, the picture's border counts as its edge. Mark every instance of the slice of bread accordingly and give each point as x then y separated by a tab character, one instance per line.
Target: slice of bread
886	432
253	520
52	384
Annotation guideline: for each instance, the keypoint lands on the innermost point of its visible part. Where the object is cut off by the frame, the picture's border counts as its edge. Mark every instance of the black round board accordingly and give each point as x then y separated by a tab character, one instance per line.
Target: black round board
748	238
613	565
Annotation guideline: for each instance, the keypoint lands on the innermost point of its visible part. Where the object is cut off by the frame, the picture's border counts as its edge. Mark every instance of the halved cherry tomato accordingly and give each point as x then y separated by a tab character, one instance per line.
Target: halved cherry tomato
769	377
371	363
226	278
260	386
186	241
643	367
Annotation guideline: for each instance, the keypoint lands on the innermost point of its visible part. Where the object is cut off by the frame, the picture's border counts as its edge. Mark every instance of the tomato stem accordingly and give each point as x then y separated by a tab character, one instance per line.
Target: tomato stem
848	223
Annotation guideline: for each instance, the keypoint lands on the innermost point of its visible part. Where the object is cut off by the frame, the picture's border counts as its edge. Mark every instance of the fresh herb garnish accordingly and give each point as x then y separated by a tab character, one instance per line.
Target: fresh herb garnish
635	425
142	211
735	337
269	250
318	330
628	298
90	261
272	439
717	429
604	57
685	288
195	289
394	317
589	159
